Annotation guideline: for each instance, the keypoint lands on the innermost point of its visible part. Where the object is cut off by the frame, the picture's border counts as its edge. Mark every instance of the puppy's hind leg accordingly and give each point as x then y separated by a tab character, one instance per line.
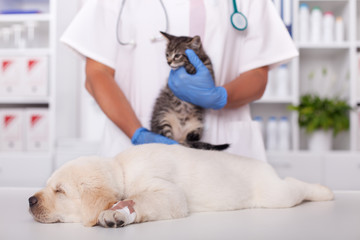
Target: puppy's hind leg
312	192
291	192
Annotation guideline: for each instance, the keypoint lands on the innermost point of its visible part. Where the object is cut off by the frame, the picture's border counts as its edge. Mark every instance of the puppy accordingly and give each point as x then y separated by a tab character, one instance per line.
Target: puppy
164	182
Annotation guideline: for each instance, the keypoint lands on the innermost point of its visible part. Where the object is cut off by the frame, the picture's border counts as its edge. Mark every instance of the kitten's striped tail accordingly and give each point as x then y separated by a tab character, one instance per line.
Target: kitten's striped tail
207	146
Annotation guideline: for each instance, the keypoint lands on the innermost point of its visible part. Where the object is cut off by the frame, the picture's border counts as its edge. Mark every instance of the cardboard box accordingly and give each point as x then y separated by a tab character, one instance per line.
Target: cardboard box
35	78
10	76
12	130
37	129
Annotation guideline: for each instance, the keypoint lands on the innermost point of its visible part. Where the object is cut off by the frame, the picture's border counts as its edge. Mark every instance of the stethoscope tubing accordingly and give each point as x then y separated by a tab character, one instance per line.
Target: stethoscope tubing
235	6
132	43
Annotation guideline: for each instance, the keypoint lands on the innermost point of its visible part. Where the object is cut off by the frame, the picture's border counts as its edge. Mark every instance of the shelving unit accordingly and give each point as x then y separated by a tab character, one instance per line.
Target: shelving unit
39	17
341	61
20	168
340	167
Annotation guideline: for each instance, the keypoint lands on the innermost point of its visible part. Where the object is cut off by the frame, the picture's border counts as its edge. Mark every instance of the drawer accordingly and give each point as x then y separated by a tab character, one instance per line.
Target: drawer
342	172
24	171
303	166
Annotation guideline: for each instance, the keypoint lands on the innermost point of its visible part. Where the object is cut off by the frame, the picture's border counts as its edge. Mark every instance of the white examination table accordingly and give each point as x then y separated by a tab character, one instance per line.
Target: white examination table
338	219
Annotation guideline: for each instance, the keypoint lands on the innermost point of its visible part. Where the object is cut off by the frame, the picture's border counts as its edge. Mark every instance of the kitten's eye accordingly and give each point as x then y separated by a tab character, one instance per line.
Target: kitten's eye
167	55
177	56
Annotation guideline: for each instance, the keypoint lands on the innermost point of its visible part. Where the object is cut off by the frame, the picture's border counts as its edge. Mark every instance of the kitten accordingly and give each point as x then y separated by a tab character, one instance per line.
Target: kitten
172	117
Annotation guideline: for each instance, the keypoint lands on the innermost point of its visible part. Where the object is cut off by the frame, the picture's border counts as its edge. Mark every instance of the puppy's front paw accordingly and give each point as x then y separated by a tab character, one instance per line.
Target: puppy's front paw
111	219
116	218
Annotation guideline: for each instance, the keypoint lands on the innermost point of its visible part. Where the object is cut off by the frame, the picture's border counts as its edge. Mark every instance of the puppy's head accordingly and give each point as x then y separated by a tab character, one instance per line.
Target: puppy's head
77	192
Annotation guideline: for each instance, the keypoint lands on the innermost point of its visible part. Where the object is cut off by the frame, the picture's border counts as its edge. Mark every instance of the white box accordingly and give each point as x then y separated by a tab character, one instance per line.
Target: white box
37	129
358	80
12	130
10	76
35	78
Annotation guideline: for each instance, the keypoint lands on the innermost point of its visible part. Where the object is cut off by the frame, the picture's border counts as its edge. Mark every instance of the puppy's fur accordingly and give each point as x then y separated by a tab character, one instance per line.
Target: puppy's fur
165	182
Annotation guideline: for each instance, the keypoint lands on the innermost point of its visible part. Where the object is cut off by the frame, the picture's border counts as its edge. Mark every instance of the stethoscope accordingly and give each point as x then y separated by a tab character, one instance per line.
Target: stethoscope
238	21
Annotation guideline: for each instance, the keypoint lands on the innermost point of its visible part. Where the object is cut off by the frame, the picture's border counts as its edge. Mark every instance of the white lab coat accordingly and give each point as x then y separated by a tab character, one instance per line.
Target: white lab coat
142	71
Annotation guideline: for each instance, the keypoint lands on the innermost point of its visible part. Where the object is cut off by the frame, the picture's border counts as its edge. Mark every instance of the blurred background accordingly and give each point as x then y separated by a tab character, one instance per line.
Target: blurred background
47	117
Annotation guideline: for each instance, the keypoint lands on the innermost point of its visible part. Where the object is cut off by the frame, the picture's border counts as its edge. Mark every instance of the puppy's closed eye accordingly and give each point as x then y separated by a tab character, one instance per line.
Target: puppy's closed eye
59	190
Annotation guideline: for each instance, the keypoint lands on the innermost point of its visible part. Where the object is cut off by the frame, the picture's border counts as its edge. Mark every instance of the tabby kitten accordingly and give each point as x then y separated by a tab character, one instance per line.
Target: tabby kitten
172	117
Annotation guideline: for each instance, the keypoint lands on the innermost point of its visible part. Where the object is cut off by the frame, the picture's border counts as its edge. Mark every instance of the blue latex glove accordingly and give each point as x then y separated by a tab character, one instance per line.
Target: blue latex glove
199	88
142	136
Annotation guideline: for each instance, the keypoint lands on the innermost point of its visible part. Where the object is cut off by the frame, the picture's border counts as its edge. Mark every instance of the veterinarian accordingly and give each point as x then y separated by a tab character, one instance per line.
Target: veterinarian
126	65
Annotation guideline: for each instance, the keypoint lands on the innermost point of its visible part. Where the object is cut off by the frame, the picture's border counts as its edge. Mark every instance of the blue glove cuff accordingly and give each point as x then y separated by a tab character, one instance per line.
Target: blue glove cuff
222	99
134	139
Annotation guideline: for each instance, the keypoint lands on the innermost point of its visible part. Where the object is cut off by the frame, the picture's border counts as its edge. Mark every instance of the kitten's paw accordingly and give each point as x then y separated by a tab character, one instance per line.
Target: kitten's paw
190	68
167	133
193	136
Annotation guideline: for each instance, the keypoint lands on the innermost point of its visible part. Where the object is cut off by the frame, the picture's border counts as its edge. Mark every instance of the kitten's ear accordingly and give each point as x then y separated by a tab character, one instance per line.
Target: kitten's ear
167	36
196	42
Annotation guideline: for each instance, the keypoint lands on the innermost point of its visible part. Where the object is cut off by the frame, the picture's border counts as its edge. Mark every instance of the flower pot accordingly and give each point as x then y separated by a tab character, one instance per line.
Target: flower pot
320	141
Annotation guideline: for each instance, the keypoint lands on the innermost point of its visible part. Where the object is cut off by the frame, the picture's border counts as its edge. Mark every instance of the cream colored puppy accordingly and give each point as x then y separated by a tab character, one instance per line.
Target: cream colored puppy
164	182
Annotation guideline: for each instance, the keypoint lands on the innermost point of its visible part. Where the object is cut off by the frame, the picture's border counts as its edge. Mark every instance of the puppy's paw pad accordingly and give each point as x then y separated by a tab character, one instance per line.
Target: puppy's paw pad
109	224
119	223
111	219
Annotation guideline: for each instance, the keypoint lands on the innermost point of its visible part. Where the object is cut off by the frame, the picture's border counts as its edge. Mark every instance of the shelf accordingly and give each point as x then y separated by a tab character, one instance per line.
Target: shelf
307	153
24	100
344	1
344	45
25	51
24	155
285	100
24	17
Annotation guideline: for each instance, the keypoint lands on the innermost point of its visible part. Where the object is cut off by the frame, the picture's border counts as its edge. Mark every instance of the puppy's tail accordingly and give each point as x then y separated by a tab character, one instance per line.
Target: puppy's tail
206	146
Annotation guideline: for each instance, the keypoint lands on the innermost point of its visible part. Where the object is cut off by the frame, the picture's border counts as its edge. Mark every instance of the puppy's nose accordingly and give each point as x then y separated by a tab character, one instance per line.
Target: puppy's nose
33	201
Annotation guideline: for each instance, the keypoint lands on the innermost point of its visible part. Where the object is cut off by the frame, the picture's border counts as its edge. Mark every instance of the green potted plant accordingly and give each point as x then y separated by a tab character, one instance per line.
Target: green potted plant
322	118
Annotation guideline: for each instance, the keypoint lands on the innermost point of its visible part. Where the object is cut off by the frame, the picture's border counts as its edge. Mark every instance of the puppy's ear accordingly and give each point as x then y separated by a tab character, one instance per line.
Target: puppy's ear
94	200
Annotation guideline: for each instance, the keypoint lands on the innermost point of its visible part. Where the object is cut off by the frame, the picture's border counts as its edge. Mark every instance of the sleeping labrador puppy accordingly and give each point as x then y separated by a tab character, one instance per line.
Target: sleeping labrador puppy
164	182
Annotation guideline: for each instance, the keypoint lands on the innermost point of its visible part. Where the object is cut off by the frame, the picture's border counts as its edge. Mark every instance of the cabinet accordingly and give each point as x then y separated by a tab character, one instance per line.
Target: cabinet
342	171
301	165
19	171
338	170
27	86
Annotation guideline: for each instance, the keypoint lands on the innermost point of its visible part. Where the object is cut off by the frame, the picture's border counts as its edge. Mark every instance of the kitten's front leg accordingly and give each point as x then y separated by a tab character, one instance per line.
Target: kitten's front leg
190	69
167	131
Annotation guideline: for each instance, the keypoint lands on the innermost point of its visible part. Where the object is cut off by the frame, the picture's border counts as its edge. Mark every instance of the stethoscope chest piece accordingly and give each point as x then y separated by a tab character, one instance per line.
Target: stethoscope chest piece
238	19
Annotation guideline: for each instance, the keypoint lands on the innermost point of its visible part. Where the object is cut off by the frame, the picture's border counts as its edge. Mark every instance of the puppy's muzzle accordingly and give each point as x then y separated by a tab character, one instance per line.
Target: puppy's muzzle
33	201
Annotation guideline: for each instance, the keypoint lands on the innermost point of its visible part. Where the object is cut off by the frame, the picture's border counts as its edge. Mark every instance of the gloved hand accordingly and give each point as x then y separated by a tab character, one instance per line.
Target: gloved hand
199	88
142	136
